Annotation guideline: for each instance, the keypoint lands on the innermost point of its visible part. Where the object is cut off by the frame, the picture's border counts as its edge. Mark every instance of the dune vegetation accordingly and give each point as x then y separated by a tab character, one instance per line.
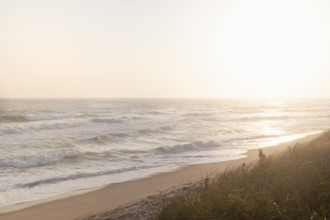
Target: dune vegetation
293	185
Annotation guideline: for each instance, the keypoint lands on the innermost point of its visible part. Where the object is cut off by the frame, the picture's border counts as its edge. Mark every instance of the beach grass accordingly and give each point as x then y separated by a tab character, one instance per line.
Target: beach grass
293	185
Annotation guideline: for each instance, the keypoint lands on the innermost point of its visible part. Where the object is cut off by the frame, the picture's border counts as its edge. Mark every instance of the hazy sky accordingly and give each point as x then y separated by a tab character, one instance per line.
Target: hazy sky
131	48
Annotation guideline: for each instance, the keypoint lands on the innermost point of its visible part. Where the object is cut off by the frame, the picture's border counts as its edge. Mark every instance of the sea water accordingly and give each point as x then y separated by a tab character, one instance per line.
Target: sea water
50	147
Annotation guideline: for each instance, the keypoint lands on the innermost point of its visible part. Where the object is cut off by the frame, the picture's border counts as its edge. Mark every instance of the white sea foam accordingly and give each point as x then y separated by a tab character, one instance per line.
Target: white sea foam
193	146
86	143
36	159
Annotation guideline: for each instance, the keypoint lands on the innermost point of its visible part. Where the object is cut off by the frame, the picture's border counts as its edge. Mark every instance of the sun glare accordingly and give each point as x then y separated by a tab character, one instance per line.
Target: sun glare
272	49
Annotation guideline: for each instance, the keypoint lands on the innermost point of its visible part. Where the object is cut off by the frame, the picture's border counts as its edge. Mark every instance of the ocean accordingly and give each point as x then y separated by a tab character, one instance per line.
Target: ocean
53	146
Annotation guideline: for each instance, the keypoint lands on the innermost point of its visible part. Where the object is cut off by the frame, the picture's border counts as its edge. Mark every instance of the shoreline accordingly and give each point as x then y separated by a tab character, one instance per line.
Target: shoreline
82	203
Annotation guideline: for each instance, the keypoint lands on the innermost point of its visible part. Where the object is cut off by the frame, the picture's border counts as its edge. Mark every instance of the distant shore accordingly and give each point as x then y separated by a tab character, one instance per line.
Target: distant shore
84	203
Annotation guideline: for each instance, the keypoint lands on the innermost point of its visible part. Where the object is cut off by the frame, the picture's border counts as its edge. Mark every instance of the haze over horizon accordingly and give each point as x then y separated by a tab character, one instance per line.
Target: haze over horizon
165	49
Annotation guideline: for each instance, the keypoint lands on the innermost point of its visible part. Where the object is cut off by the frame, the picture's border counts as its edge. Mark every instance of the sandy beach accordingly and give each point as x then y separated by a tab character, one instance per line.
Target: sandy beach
164	110
123	200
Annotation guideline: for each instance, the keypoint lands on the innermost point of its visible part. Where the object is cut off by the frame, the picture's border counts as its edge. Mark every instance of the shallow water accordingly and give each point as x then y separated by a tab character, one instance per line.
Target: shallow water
49	147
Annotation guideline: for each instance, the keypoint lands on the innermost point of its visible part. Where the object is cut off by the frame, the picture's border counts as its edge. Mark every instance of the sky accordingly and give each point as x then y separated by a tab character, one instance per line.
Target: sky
165	49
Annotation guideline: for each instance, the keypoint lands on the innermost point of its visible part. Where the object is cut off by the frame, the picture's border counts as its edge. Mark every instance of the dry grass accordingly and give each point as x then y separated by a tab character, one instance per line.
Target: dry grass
295	185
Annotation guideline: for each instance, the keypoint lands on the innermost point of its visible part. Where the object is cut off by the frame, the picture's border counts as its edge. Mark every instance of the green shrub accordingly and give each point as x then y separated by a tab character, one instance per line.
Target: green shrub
294	185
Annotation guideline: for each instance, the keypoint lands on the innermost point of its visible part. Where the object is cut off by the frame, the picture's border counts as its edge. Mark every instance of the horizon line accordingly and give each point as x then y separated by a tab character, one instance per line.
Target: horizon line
210	98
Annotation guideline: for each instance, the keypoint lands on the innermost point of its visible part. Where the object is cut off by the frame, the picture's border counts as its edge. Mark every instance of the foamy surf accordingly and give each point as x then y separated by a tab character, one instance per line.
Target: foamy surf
49	147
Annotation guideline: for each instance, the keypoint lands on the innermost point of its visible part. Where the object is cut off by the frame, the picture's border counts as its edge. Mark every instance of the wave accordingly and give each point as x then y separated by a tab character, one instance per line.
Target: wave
83	175
155	112
197	114
112	137
12	118
106	138
255	137
131	151
35	117
193	146
107	120
158	129
51	156
122	119
41	117
16	129
264	118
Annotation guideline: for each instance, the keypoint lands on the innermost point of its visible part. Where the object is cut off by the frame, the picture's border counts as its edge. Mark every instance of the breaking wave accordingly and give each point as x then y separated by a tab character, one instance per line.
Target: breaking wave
193	146
108	138
51	156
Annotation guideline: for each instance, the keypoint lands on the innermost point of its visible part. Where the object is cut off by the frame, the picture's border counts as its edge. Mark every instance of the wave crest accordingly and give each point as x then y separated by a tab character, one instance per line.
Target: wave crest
13	118
51	156
193	146
108	120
